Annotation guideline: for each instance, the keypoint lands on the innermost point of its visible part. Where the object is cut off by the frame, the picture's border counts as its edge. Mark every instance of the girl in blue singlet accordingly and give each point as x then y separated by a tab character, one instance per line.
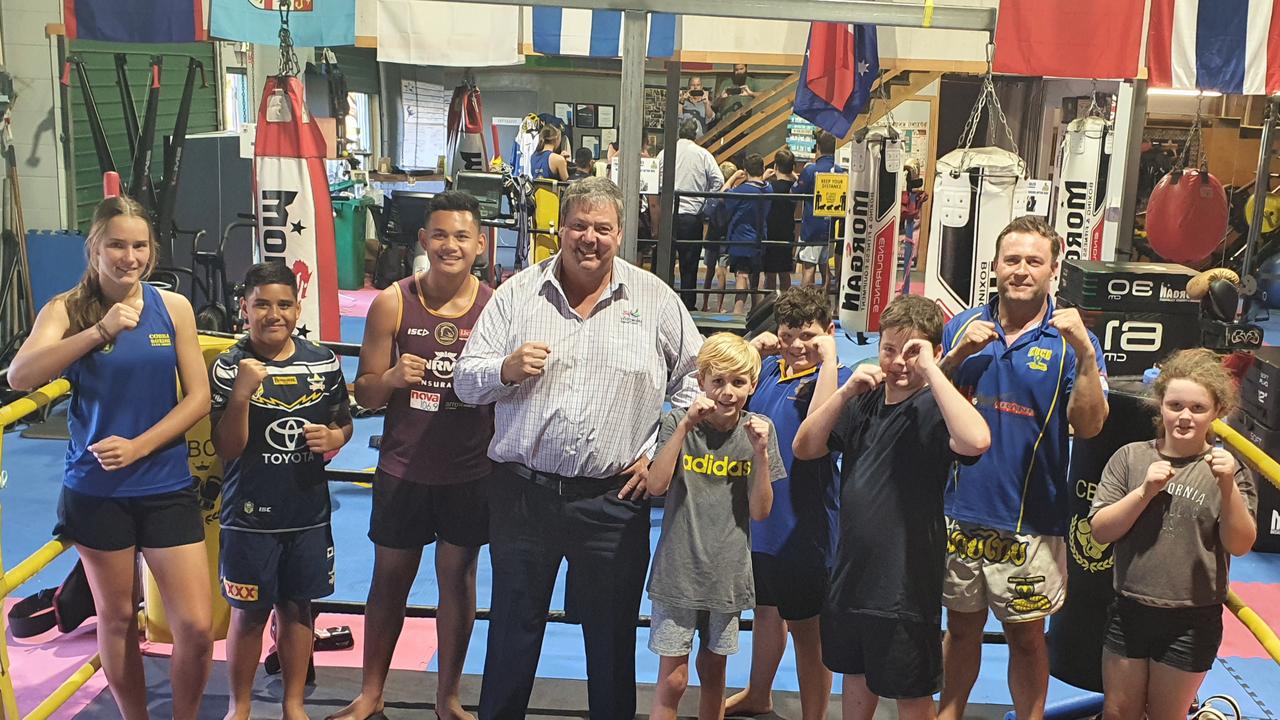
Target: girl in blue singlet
126	347
548	162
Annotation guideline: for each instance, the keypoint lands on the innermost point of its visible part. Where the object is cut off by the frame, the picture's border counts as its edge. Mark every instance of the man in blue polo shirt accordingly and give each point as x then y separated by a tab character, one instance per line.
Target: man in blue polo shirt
1030	369
816	229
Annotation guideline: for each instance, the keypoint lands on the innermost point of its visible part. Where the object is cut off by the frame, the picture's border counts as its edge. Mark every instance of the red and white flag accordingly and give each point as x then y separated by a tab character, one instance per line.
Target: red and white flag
291	201
1069	38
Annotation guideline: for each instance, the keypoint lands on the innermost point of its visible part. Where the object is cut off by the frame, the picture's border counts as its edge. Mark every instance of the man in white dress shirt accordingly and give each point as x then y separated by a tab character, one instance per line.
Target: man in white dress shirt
577	354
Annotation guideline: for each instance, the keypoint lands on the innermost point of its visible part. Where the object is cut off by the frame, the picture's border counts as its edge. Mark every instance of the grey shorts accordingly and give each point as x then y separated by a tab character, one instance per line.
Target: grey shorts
671	630
814	254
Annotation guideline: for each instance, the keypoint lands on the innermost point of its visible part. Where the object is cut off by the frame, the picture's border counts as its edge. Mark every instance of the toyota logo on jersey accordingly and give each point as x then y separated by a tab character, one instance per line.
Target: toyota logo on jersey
286	434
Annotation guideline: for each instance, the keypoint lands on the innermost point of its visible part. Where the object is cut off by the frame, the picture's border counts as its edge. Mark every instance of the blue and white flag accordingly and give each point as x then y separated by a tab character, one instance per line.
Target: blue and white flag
596	33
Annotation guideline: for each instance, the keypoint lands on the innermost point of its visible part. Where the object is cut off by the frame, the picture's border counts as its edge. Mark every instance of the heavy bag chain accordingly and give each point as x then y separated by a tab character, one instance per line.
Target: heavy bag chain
994	112
289	65
1194	137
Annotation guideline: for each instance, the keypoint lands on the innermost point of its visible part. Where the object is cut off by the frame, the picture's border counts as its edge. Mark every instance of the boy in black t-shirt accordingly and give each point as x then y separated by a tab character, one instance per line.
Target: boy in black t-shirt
279	406
899	427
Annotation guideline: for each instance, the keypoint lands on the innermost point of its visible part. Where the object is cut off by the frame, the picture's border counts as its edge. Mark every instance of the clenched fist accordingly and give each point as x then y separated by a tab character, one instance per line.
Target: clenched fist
528	361
1223	465
408	371
119	318
1158	476
758	434
700	409
978	335
1069	323
249	376
864	379
115	452
322	439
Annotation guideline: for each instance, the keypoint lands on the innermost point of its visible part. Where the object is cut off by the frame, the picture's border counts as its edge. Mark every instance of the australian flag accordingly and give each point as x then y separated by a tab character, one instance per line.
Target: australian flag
840	65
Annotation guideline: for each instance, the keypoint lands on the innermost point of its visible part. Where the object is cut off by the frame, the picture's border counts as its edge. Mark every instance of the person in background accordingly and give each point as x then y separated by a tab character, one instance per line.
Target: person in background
815	232
695	104
748	220
781	223
913	199
548	162
127	348
696	171
276	544
1176	508
583	162
714	256
734	93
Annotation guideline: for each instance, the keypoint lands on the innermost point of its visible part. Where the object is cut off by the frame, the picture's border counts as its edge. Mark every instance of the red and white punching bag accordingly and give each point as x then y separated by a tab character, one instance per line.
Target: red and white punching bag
291	201
466	150
973	199
870	262
1187	216
1084	161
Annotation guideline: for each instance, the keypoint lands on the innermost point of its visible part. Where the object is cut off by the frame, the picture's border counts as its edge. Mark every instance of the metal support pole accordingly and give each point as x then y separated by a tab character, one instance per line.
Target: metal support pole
131	128
1132	143
635	24
1261	186
662	263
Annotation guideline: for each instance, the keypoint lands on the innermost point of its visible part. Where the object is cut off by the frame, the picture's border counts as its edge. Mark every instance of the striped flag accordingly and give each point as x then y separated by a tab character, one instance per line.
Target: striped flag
1231	46
596	33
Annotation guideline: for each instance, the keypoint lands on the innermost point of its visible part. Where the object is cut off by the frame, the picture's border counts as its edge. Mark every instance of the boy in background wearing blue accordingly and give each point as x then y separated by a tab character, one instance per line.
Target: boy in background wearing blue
718	461
899	427
748	220
792	549
279	406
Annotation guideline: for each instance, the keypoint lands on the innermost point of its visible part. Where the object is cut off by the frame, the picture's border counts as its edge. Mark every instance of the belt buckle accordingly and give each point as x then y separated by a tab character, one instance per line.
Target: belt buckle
560	487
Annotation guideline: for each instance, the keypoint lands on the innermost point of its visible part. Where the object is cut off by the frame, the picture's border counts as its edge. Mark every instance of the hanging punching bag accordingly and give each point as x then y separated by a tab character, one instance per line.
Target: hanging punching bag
466	131
1187	216
1084	160
870	260
291	200
973	199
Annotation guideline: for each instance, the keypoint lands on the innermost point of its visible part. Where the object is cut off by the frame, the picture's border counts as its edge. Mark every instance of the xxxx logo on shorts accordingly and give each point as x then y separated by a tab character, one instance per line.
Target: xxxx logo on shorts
240	591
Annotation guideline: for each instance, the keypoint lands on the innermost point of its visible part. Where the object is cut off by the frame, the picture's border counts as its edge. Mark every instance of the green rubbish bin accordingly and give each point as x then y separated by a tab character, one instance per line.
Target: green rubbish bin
348	235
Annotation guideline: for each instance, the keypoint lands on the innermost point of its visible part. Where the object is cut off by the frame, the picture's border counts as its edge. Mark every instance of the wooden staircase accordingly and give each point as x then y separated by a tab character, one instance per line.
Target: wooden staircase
743	128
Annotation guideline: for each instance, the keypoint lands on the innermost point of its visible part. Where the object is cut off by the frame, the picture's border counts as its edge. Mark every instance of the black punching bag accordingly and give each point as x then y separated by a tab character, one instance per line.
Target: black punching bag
1075	632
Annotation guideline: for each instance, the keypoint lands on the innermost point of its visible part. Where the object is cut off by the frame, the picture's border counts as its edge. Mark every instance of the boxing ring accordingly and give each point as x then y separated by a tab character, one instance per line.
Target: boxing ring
12	579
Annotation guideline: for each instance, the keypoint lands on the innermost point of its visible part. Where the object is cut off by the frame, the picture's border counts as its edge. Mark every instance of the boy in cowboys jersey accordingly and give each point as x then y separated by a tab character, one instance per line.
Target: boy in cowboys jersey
279	406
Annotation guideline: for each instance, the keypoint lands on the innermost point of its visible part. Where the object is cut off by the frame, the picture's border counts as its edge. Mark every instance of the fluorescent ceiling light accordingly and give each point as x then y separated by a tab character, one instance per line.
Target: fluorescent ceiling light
1184	93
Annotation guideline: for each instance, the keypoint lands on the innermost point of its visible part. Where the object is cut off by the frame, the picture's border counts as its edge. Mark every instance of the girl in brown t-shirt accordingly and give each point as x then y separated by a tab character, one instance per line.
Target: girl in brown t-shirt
1177	508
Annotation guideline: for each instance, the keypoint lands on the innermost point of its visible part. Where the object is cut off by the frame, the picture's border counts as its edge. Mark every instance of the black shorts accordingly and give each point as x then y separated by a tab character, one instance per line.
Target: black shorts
778	259
1185	639
147	521
408	515
796	586
747	265
901	659
260	569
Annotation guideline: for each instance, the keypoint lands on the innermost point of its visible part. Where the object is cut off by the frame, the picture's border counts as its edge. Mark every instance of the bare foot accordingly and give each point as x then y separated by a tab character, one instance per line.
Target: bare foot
294	712
452	709
236	714
361	708
743	702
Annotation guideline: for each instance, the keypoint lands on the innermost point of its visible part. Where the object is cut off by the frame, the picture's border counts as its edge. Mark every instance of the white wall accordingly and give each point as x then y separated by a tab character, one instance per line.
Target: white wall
32	59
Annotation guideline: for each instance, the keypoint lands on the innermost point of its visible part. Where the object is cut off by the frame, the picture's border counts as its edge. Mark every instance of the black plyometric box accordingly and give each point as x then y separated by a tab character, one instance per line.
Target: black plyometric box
1155	287
1260	402
1268	441
1134	341
1265	370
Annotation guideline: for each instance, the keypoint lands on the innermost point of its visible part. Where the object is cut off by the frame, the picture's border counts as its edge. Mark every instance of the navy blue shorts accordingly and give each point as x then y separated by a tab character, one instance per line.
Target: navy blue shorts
901	659
795	584
259	570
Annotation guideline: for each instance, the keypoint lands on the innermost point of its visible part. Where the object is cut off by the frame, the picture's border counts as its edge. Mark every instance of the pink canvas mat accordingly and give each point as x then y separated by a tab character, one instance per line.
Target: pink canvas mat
41	663
355	303
1263	599
414	651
